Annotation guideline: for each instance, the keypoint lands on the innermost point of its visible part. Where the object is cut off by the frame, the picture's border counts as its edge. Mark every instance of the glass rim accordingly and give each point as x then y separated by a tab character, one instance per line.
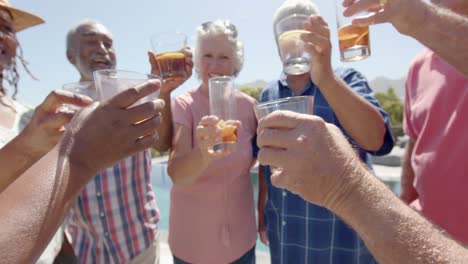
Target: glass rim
221	78
106	72
157	37
291	16
83	83
283	101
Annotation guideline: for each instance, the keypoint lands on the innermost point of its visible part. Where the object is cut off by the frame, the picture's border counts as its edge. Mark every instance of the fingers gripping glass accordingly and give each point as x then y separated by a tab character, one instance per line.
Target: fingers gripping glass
297	104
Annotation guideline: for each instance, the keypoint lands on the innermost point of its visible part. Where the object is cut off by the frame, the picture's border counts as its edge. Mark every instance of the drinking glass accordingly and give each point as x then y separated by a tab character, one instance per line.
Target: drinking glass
83	88
298	104
354	41
223	104
291	47
167	48
111	82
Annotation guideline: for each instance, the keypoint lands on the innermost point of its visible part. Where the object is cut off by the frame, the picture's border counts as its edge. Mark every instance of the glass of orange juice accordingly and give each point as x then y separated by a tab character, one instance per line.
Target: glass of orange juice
167	48
354	41
223	104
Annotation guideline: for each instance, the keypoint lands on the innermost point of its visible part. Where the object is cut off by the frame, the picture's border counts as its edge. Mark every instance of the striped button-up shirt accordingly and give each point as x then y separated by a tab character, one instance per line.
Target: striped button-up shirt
301	232
115	217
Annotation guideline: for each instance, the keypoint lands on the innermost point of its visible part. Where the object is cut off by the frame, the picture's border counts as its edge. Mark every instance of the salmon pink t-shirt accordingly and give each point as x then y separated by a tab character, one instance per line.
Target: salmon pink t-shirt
436	117
213	220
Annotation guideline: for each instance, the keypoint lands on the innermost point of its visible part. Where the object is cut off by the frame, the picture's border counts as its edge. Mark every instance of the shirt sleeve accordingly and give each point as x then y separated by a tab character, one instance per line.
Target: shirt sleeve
407	121
181	113
359	84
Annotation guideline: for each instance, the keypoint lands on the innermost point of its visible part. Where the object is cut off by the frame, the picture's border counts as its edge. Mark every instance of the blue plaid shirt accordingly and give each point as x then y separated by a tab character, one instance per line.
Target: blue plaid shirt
301	232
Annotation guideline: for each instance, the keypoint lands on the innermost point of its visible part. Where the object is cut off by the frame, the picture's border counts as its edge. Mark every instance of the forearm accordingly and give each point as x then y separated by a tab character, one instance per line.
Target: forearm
359	118
262	192
444	32
34	207
408	193
186	169
165	130
392	231
14	160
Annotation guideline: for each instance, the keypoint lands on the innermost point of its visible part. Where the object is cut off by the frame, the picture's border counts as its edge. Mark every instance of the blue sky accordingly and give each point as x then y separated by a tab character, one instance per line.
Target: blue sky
133	22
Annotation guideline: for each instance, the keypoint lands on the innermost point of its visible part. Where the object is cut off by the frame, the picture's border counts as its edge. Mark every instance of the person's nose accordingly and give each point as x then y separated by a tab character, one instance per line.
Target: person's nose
101	48
212	65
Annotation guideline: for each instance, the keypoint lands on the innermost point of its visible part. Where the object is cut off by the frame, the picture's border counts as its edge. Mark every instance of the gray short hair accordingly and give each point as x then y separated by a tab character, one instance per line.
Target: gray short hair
220	27
290	7
72	32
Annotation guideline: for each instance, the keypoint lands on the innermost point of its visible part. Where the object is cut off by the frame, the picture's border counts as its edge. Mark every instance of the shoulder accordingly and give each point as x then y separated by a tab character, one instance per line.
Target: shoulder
246	99
422	57
347	73
354	79
416	66
186	98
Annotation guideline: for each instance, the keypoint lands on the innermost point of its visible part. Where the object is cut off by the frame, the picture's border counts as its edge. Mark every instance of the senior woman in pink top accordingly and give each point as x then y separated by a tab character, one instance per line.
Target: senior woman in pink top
212	217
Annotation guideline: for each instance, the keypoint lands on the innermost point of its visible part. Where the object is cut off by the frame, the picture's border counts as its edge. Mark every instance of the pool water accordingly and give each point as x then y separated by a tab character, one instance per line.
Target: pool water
162	186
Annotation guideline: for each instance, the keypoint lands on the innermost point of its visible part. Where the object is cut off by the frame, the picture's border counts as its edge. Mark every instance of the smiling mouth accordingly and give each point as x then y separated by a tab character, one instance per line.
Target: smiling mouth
102	64
212	75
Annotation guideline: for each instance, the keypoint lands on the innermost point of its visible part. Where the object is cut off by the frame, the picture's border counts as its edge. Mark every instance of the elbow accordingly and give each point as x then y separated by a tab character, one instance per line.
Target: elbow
375	140
176	176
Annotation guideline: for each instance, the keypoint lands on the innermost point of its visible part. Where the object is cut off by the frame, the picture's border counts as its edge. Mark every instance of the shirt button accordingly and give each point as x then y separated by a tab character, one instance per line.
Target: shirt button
98	194
106	234
284	193
102	214
284	223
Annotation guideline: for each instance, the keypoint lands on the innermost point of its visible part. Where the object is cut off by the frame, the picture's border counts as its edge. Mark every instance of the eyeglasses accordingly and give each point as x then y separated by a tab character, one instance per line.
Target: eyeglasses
225	23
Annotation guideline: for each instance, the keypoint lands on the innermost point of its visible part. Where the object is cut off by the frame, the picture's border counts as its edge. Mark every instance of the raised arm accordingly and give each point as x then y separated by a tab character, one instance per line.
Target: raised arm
359	118
165	131
33	207
42	133
336	179
186	163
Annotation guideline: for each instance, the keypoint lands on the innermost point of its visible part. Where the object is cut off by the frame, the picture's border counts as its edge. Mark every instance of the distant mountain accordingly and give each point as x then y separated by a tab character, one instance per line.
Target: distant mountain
381	84
255	84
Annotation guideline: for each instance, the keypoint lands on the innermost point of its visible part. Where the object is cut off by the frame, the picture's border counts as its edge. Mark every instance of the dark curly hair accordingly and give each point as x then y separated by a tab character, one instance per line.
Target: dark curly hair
12	75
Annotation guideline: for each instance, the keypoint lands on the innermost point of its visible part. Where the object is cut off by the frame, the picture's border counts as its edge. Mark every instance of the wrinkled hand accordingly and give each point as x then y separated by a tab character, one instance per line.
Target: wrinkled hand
105	133
404	15
208	135
319	47
315	157
168	87
47	124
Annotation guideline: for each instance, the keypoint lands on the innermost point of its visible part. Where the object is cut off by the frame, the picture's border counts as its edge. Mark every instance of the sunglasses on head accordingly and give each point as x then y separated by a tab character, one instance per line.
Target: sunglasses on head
226	23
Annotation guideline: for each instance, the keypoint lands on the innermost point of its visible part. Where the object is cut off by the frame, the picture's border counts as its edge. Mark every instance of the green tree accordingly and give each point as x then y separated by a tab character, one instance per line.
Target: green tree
394	107
252	91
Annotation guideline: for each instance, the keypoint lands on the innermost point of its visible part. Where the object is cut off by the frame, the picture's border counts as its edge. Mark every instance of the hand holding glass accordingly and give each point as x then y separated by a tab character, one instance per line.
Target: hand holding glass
169	57
298	104
111	82
354	40
291	47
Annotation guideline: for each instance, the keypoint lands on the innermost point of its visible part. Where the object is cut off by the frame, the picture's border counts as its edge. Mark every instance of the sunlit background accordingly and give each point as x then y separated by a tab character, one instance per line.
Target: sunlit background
133	22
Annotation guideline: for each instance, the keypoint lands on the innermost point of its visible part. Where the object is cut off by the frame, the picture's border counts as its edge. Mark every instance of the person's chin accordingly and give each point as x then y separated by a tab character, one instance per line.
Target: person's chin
102	66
